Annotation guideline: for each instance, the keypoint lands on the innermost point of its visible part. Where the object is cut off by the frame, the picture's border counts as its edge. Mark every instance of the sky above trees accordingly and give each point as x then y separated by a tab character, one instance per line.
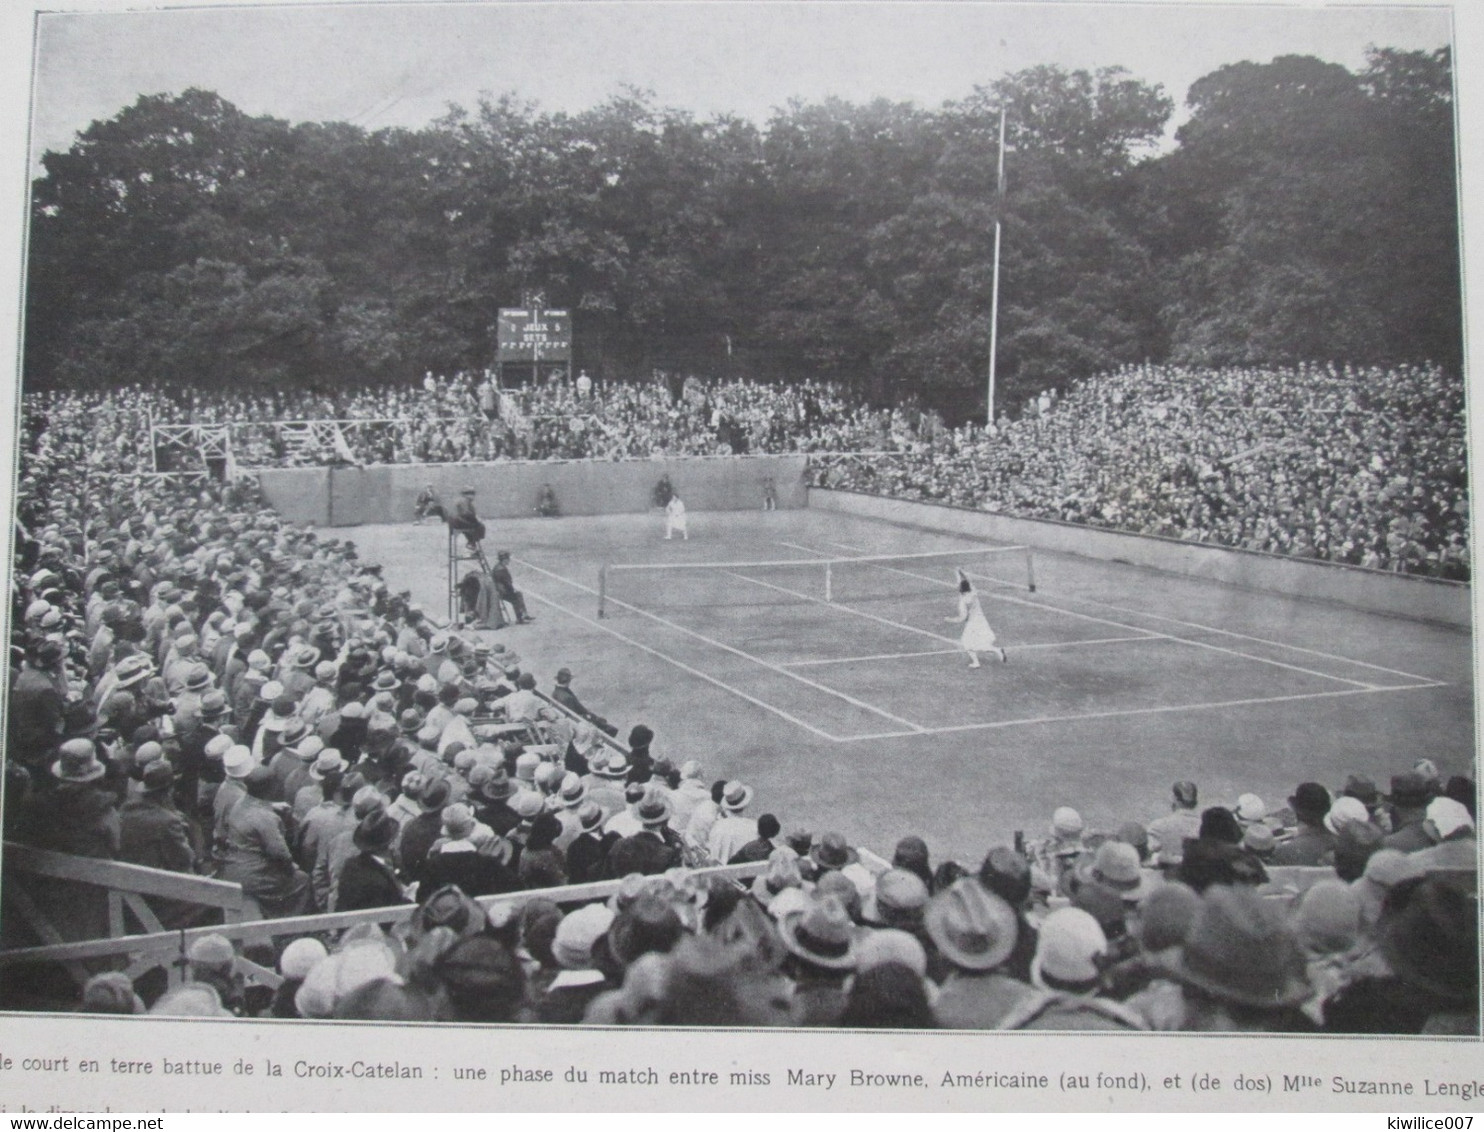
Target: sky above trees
399	65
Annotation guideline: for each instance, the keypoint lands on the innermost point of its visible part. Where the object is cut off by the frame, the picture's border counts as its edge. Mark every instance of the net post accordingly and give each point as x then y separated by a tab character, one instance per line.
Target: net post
1030	569
602	588
829	582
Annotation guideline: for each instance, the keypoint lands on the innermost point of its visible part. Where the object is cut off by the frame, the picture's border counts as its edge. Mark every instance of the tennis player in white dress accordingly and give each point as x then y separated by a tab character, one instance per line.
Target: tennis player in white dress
977	636
675	518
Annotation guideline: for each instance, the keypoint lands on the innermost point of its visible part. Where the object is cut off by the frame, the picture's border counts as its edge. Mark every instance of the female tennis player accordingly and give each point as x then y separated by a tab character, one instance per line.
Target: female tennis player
977	636
675	518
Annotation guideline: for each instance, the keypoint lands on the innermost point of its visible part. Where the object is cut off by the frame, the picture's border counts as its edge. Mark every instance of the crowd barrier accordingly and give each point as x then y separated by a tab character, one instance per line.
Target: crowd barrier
1374	591
349	496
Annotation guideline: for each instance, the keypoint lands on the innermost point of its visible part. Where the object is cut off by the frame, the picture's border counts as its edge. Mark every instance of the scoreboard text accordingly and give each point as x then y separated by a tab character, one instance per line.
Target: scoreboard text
537	335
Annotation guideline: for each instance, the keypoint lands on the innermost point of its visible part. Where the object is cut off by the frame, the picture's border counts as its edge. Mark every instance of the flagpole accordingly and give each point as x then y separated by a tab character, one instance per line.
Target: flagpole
994	297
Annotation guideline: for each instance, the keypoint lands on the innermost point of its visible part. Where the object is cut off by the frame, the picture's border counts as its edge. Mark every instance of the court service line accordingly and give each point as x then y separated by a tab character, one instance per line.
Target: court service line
878	656
769	665
953	652
845	608
1135	628
1162	710
1427	680
680	664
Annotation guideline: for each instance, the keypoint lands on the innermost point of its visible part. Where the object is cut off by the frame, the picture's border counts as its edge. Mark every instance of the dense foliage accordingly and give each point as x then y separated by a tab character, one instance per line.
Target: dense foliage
1305	212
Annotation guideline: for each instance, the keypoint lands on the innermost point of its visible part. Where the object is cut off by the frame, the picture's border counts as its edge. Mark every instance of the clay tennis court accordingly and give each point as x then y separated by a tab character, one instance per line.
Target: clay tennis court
848	704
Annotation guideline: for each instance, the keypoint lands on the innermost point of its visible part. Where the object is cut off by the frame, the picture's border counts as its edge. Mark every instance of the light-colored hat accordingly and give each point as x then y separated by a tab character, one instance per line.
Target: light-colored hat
578	931
1068	947
1066	823
1448	816
1250	808
1343	811
238	762
736	797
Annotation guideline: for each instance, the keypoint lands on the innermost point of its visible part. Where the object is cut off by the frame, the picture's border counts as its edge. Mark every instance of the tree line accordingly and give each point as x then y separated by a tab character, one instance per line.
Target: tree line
1303	212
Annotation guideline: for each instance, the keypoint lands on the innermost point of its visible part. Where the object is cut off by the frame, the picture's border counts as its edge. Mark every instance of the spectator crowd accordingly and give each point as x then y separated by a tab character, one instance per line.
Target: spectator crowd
1362	466
200	687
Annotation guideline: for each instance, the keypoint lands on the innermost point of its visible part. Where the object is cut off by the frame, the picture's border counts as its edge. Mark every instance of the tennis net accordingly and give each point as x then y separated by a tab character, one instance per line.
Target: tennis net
855	580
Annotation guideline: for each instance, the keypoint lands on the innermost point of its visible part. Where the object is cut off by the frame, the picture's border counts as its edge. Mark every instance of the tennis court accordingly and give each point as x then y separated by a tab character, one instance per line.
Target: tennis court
839	691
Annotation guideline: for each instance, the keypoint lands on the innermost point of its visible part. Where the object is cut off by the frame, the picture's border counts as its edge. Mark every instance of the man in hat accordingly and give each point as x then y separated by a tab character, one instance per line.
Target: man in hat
257	853
237	764
152	831
79	815
656	847
319	701
821	942
422	831
1410	794
1241	967
336	785
334	852
37	701
505	587
732	831
465	520
564	695
369	879
975	933
587	855
1312	843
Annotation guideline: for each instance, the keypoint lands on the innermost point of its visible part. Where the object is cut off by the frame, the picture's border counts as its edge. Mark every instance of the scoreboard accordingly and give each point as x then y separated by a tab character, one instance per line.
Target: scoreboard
535	335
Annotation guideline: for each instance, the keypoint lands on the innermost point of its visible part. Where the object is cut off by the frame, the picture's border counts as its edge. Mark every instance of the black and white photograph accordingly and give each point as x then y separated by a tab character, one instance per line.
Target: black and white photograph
672	519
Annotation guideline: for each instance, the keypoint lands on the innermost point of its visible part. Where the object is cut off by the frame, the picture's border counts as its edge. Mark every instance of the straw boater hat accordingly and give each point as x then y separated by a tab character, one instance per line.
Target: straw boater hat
132	670
654	810
736	796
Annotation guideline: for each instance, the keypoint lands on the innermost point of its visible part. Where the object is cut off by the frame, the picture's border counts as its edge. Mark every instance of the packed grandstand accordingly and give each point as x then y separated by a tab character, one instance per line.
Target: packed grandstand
1363	466
199	686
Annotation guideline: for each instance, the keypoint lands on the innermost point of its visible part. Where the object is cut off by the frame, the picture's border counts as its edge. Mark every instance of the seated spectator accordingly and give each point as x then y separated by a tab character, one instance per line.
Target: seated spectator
1167	835
1311	843
1241	968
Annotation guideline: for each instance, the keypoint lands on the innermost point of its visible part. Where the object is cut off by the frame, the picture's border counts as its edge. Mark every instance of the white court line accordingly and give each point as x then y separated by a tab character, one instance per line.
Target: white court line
722	684
843	608
1165	710
1426	681
862	704
1124	625
952	652
992	596
877	656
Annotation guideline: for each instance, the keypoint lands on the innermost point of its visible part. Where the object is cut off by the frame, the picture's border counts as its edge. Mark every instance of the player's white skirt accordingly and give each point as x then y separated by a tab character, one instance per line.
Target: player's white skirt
977	635
675	524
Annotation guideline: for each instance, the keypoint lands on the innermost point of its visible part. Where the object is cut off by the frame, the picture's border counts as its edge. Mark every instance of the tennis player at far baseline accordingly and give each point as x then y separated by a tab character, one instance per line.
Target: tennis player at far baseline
977	636
675	518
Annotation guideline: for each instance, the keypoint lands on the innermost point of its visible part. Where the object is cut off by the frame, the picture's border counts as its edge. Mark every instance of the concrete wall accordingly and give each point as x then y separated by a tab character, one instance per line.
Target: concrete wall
385	493
1374	591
